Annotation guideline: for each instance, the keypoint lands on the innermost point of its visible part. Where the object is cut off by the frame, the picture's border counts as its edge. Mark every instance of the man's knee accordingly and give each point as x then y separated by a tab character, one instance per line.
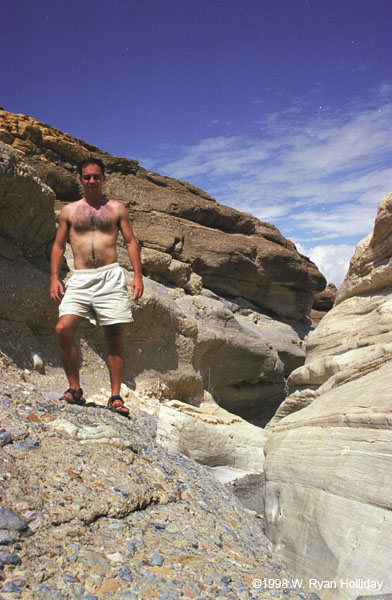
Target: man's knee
65	327
113	332
114	338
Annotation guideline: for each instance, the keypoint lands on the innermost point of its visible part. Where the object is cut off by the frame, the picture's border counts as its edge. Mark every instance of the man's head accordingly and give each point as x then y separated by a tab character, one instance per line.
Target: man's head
91	161
92	177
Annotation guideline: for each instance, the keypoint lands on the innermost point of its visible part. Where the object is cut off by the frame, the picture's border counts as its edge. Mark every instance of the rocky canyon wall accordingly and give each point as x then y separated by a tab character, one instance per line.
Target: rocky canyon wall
90	505
227	297
328	457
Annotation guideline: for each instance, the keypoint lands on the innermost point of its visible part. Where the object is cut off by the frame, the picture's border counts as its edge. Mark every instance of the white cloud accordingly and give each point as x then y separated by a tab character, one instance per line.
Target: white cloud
343	221
332	260
316	177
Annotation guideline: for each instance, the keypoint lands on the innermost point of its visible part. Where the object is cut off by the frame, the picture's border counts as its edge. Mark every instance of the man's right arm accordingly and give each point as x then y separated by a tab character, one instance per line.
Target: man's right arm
56	288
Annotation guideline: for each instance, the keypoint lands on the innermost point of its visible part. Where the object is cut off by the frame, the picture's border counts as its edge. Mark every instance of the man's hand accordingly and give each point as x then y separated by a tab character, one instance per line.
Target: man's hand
56	291
137	287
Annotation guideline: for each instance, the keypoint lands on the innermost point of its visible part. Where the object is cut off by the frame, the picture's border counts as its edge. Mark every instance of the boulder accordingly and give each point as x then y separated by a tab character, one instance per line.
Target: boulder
324	301
27	230
328	454
186	343
370	267
163	267
231	447
24	296
211	435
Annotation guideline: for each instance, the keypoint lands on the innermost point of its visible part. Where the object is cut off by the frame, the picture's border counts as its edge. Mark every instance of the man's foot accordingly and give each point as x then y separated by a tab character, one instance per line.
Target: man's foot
73	397
116	404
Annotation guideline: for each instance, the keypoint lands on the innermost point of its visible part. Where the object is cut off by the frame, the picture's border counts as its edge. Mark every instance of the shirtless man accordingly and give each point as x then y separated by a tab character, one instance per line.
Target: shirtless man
97	289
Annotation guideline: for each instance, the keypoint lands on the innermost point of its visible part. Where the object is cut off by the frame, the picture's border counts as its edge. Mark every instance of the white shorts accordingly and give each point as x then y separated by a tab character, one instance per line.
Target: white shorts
99	295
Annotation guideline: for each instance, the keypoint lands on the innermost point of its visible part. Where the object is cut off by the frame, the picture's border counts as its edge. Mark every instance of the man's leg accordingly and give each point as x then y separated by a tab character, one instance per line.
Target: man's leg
115	356
68	351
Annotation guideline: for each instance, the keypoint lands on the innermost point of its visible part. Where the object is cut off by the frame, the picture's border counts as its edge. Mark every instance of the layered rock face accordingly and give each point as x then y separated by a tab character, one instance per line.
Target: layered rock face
186	336
328	466
233	252
27	229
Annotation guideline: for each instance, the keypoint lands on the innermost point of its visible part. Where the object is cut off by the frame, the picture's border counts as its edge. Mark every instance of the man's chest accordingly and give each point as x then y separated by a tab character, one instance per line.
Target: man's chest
86	218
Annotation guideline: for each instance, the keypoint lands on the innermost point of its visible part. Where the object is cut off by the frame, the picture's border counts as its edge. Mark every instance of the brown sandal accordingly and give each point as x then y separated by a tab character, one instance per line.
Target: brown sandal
116	404
77	397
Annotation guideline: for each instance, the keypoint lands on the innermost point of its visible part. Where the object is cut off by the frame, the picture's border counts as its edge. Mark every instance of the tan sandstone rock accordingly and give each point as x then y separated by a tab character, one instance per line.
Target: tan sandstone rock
231	447
370	267
211	435
27	222
328	459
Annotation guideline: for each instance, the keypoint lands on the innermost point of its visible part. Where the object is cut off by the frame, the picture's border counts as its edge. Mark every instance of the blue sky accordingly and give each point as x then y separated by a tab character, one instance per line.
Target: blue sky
280	108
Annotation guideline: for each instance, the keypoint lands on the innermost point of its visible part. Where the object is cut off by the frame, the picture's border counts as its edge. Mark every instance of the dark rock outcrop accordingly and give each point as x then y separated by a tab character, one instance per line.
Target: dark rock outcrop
323	302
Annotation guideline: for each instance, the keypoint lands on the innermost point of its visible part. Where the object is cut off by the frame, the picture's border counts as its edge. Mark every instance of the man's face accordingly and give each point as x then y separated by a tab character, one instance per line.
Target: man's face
92	179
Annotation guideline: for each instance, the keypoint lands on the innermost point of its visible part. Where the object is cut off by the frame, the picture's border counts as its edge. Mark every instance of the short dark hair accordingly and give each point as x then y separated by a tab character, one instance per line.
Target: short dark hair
91	161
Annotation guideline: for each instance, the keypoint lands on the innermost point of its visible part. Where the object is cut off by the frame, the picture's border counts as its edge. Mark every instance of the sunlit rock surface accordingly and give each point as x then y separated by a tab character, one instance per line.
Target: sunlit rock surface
328	457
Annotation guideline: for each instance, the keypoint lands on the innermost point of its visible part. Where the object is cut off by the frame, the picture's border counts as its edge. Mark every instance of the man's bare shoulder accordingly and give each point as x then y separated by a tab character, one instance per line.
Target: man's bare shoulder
68	210
118	206
117	203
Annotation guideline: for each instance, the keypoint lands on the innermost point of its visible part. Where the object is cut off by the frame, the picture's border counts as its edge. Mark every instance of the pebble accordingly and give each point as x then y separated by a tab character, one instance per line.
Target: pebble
29	444
37	362
53	396
5	437
218	542
10	520
156	560
6	539
10	587
130	546
115	526
125	574
9	558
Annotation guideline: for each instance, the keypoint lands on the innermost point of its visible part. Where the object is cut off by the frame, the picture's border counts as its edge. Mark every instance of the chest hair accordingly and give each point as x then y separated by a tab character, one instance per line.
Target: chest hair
87	218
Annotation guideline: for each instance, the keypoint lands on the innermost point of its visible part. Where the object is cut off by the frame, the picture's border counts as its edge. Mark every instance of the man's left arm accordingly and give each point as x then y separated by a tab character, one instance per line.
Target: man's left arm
133	250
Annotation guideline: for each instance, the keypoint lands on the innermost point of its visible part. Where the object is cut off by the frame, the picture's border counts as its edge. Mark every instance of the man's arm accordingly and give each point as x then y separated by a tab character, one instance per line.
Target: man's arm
133	253
56	288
